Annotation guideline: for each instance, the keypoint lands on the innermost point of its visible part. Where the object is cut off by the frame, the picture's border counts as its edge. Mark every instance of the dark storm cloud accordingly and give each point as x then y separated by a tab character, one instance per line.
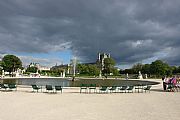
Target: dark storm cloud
131	30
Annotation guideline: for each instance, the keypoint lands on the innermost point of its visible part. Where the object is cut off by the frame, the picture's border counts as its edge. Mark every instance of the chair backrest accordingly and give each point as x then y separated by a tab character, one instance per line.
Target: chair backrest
113	87
4	86
49	87
12	85
130	87
148	87
104	87
92	85
124	87
83	85
34	86
58	87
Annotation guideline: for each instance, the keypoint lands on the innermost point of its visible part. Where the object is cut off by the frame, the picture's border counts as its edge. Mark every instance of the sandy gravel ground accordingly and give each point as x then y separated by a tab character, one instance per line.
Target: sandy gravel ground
71	105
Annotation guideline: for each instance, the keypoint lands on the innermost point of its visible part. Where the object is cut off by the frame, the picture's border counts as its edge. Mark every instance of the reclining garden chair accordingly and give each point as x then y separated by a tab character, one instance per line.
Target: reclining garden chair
58	88
147	88
83	87
4	86
130	88
113	88
49	88
103	89
92	87
35	87
123	88
12	86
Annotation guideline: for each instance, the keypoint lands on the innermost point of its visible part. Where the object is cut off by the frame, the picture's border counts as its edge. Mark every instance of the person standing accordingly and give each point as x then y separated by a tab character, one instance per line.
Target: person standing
164	82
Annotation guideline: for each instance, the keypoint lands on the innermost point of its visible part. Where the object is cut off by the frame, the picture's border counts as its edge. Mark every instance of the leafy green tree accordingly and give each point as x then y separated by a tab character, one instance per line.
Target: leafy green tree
115	71
178	69
129	71
82	68
32	69
88	69
93	70
109	64
1	68
146	69
160	68
55	71
137	67
0	71
11	63
174	69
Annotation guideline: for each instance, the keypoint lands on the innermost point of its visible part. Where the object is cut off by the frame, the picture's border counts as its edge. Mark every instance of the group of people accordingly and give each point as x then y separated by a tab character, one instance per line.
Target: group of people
170	81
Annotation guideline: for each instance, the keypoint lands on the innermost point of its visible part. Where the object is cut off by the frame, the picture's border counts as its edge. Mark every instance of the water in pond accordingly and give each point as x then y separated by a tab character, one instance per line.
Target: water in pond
77	83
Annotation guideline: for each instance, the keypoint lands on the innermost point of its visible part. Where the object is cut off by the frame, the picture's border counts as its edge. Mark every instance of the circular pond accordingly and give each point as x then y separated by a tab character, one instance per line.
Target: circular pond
68	83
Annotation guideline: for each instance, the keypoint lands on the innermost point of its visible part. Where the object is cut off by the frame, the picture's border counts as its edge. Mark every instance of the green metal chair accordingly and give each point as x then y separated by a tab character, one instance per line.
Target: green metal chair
4	86
147	88
123	88
130	88
83	87
113	88
12	86
35	87
139	88
58	88
0	85
49	88
103	89
92	87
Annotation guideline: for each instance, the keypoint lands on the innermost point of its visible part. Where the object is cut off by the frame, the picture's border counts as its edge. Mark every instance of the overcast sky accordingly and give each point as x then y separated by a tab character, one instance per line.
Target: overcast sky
53	31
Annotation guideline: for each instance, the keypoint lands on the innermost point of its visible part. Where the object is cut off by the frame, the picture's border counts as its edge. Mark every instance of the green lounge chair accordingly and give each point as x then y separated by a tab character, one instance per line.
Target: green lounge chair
147	88
12	86
92	87
83	87
49	88
130	88
139	87
103	89
113	88
35	87
1	85
4	86
58	88
123	88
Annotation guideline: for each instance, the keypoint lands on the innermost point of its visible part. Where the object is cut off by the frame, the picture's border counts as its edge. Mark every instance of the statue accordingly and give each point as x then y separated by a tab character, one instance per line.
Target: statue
3	74
63	75
100	74
146	76
127	76
140	75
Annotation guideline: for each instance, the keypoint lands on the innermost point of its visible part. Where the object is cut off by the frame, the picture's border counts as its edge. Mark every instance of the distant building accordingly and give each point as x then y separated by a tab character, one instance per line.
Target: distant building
101	57
39	67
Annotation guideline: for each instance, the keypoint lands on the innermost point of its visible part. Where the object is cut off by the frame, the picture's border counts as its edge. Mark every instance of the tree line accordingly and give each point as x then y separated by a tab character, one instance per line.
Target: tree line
106	68
158	68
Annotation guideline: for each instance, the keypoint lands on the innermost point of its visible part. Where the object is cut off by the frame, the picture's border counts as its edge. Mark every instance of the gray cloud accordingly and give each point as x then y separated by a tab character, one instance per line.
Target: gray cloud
132	31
